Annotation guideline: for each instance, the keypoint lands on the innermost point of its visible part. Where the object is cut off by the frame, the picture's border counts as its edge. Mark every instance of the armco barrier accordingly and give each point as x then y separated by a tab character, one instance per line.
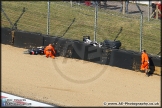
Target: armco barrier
6	36
121	58
27	39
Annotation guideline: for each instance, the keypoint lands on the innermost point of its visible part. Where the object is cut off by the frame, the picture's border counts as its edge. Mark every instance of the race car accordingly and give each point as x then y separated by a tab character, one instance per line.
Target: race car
105	44
35	51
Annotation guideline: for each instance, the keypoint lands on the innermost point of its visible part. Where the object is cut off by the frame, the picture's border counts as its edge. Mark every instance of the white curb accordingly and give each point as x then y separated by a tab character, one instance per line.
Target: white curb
11	100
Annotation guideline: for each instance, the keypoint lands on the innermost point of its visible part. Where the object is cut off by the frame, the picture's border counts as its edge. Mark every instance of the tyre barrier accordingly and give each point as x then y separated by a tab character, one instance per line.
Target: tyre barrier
48	40
126	59
59	44
92	54
6	36
106	54
136	61
67	48
78	50
89	53
131	60
24	39
121	59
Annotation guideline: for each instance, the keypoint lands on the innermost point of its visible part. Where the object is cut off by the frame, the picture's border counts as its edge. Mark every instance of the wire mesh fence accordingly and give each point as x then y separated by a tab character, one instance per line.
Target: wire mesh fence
77	20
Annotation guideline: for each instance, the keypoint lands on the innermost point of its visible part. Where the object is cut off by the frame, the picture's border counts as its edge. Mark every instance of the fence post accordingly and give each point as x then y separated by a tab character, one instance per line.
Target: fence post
149	11
95	25
71	2
48	17
141	24
156	11
123	6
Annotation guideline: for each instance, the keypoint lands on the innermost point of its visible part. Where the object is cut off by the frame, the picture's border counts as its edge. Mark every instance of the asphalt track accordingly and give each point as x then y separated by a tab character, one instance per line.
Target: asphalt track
71	82
132	8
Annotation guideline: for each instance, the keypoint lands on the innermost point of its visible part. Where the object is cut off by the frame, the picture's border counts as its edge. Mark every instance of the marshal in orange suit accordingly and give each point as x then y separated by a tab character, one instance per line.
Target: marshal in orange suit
144	62
49	51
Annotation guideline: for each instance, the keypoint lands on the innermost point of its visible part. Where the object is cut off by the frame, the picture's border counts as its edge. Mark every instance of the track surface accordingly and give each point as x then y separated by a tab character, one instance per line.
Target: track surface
70	82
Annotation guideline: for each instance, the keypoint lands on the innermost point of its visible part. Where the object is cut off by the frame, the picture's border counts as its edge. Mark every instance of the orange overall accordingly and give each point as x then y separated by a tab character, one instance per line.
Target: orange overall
144	61
49	51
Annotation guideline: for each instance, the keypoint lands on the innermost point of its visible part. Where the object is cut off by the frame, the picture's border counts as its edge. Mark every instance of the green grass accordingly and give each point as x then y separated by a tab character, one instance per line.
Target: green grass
62	14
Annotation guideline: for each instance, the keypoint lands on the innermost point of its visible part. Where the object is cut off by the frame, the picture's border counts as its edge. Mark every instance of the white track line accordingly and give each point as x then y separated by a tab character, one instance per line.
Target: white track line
12	99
